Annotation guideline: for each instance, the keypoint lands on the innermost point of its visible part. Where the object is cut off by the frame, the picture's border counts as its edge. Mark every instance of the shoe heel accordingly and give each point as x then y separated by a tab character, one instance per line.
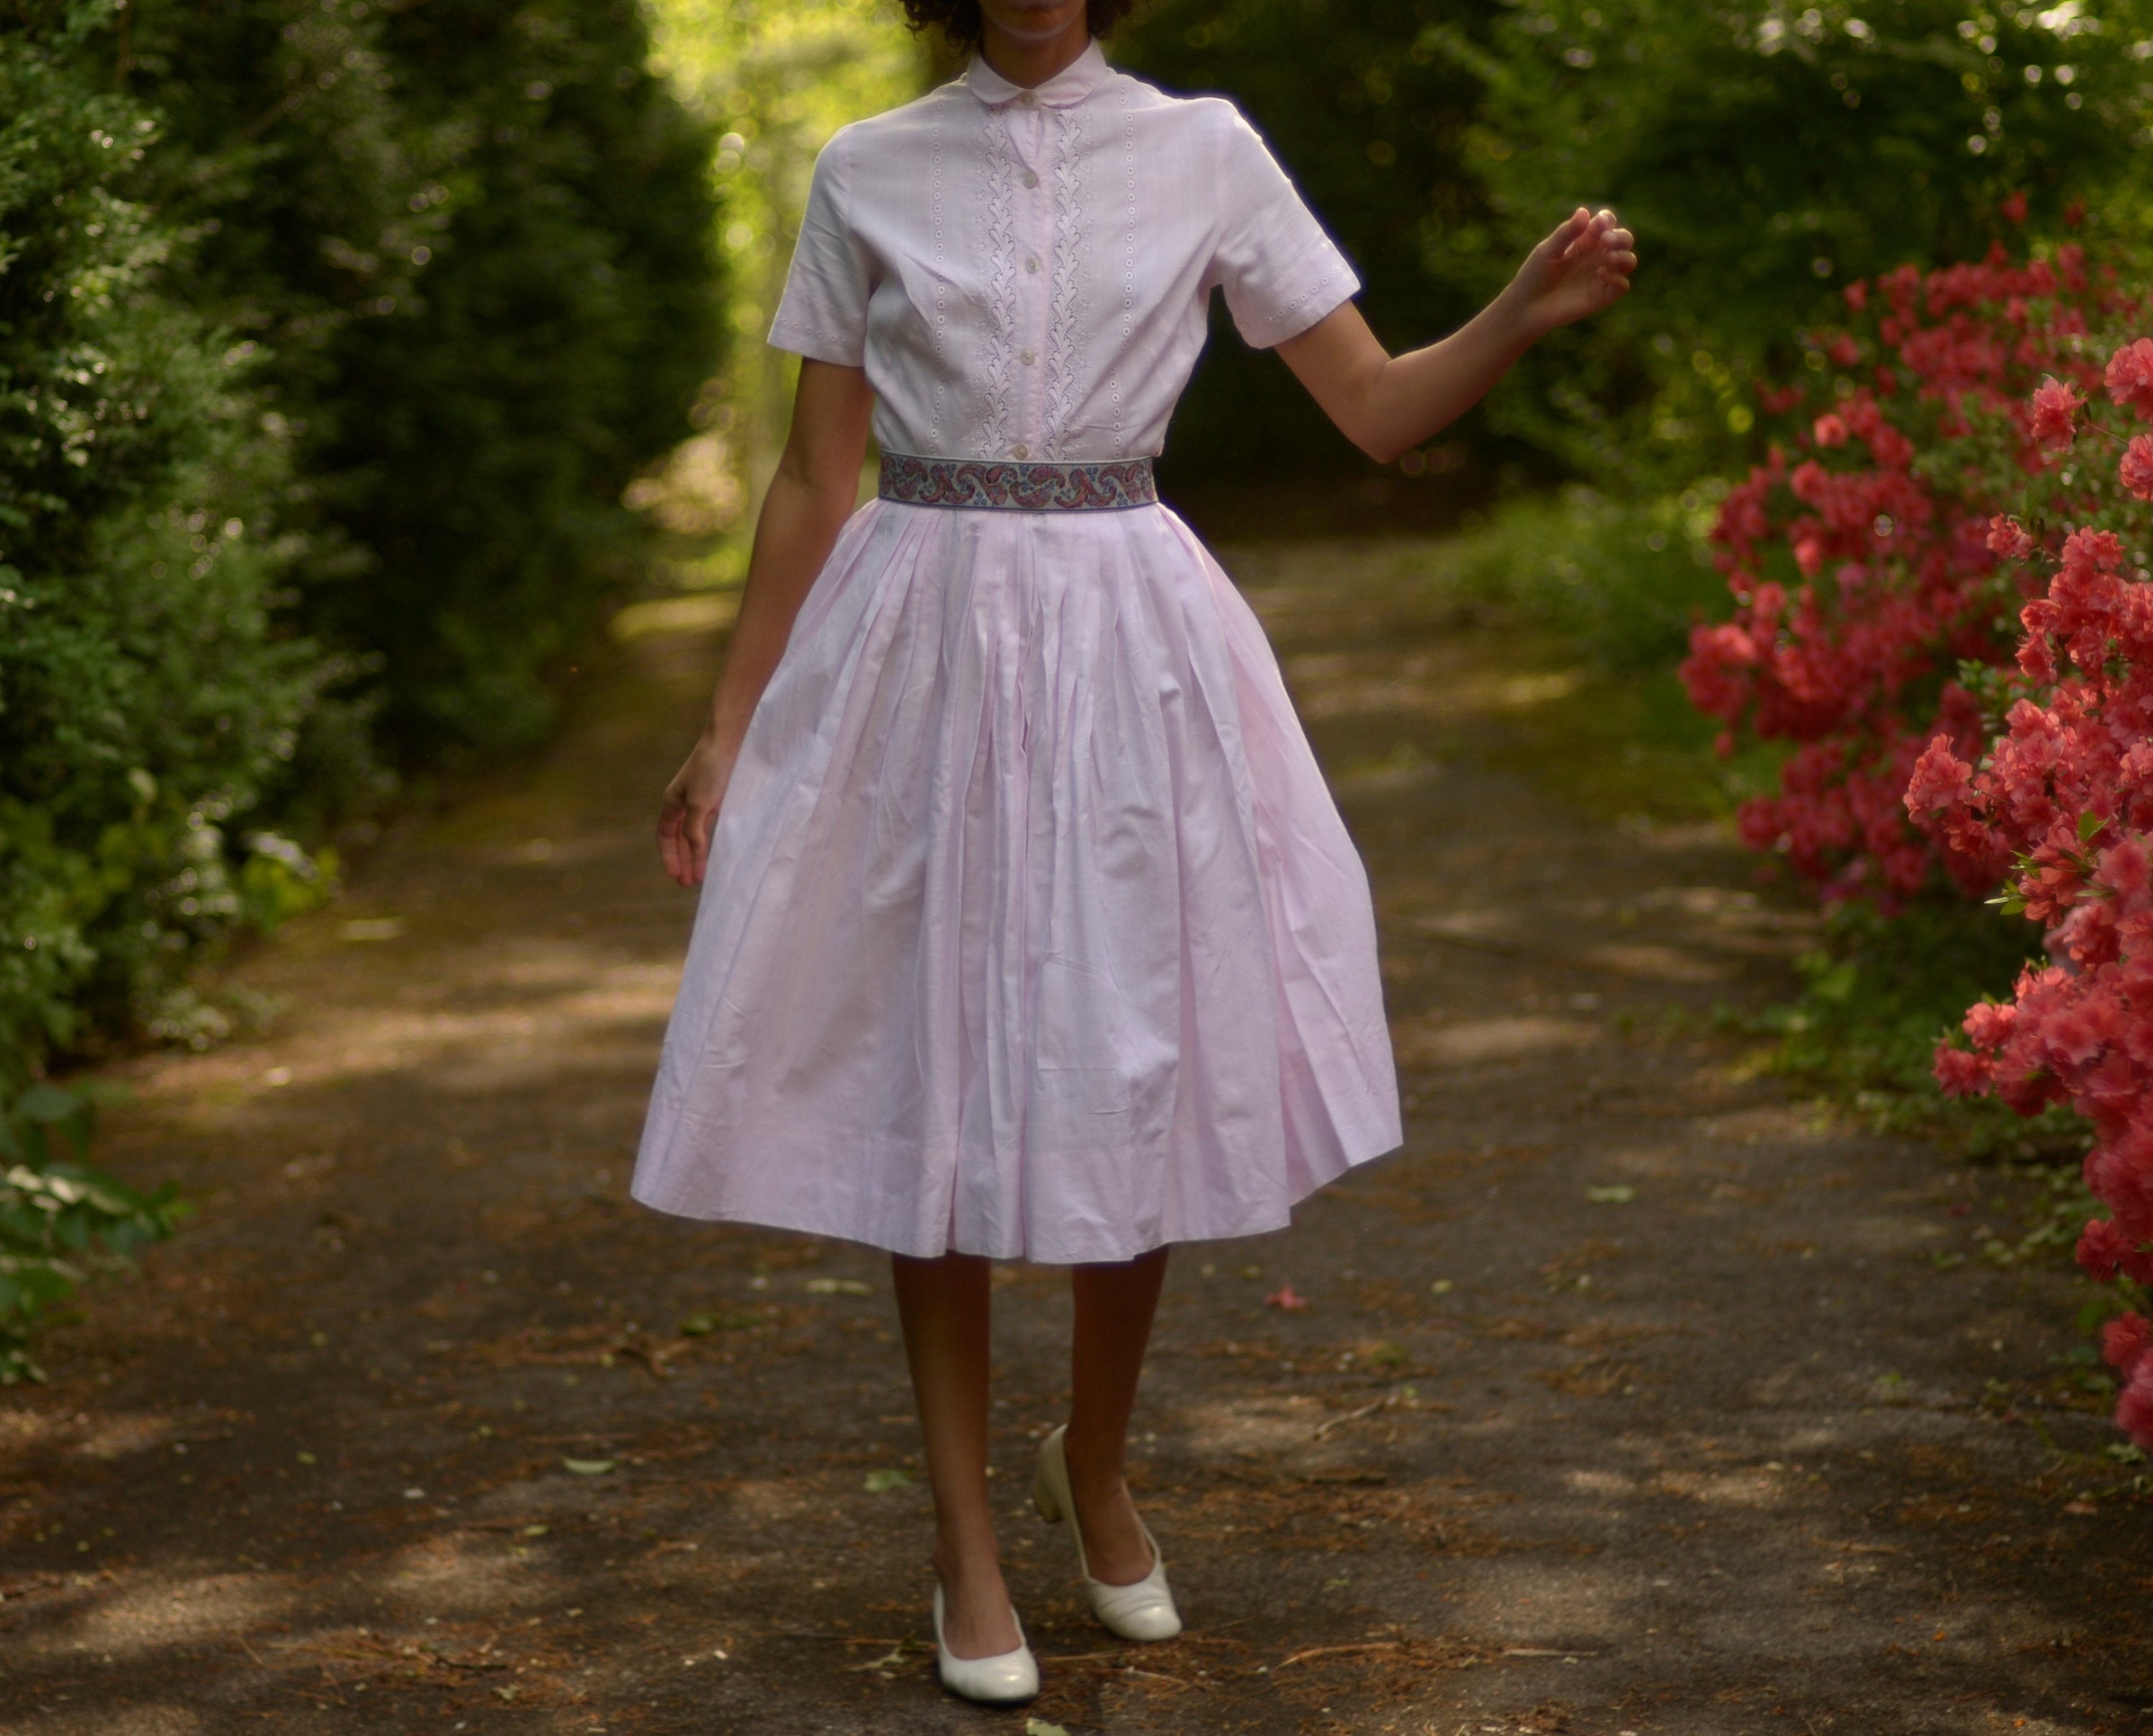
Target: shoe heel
1042	1498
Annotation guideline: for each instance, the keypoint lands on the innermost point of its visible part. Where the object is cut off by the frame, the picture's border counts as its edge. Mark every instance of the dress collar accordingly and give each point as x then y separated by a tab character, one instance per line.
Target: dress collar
1065	89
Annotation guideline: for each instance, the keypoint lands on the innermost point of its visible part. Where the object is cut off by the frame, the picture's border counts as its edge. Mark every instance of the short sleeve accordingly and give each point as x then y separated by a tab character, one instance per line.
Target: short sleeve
823	313
1279	272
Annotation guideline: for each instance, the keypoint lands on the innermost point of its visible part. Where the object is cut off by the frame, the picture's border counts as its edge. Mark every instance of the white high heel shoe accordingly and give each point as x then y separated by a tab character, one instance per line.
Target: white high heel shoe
1144	1610
1008	1679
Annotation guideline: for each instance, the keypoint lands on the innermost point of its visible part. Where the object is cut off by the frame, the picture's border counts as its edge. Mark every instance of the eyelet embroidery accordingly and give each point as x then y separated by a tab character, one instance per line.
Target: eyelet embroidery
1000	158
1065	302
939	337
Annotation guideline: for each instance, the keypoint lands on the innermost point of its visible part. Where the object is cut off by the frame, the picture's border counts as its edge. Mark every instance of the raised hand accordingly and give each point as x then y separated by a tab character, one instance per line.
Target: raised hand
1583	266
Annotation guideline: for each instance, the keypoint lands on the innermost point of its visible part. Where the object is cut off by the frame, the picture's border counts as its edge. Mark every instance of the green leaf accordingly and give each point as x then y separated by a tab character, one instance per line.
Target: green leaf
882	1482
588	1467
49	1103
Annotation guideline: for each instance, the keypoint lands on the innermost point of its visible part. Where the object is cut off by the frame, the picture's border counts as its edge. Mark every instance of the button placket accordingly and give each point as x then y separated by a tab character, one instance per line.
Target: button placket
1029	123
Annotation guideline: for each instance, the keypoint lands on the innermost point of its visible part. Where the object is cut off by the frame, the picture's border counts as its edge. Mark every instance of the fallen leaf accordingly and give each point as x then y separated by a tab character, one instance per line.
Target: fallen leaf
308	1459
838	1287
534	1530
2081	1508
882	1482
1040	1726
1618	1194
589	1467
1285	1297
1442	1286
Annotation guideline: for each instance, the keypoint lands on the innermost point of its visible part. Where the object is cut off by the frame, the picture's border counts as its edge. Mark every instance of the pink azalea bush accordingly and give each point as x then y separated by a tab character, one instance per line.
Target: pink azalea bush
2064	796
1860	560
1943	606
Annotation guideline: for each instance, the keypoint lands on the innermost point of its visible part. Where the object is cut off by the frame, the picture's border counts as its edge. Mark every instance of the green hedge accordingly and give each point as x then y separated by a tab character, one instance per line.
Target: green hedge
147	698
477	241
329	336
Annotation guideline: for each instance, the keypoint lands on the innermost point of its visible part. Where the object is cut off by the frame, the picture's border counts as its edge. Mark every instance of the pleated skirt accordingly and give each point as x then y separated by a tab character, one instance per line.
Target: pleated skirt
1030	930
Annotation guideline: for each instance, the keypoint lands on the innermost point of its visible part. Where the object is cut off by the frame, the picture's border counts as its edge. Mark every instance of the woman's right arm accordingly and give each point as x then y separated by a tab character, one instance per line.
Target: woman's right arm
810	497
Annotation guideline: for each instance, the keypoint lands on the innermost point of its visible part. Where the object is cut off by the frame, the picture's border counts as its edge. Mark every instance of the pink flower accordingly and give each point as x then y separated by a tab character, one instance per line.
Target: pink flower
2007	538
2013	208
2055	405
2134	1407
1989	1023
2130	377
2137	469
2123	869
1941	779
1285	1298
2087	551
2125	1340
1829	431
2102	1248
1961	1073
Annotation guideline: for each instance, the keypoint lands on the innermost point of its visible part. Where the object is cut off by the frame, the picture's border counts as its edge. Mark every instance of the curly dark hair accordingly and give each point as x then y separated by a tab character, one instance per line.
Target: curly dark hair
961	22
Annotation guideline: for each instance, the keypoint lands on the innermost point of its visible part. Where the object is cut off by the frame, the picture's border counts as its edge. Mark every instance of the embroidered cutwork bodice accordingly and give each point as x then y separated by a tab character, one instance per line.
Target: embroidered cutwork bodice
1024	274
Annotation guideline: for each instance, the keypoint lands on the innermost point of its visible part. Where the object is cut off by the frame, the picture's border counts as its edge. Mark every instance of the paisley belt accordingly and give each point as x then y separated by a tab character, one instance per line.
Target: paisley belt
1007	483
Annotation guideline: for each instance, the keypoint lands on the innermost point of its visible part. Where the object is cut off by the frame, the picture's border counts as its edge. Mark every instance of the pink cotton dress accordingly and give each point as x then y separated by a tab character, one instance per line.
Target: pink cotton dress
1030	930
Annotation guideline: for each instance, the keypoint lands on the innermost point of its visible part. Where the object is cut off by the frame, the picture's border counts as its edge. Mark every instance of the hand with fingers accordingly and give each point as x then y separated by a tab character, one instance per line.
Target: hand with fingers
690	812
1583	266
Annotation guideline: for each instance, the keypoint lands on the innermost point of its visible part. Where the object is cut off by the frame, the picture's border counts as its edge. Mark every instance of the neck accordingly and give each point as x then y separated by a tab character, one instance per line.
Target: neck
1030	60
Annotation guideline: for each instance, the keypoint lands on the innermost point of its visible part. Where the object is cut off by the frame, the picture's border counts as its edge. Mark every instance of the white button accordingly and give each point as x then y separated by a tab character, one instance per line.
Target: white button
1027	99
1031	265
1021	450
1030	179
1028	357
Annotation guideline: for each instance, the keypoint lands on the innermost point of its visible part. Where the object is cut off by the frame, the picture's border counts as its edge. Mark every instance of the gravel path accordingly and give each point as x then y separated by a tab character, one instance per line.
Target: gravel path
1630	1397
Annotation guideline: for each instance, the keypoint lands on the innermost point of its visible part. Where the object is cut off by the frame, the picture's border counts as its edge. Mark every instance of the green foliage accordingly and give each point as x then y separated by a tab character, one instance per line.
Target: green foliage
330	335
147	699
61	1221
774	83
1622	581
1600	595
1878	994
563	325
1764	153
476	243
1764	158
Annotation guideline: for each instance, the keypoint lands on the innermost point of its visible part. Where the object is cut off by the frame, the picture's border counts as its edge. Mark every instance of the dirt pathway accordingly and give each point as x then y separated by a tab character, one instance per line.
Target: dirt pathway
1628	1399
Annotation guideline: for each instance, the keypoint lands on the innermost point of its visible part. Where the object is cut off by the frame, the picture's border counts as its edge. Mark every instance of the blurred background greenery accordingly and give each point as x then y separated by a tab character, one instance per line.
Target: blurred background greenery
357	357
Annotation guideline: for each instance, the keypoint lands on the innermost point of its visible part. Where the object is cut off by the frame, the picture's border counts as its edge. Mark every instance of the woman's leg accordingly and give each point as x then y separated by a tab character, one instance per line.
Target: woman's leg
1114	1309
944	1307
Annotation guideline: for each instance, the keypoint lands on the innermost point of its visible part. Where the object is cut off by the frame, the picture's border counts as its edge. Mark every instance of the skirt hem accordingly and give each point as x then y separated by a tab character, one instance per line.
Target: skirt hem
774	1215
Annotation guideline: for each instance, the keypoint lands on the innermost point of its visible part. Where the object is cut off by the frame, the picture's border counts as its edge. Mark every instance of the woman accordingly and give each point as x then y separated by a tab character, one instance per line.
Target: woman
1030	930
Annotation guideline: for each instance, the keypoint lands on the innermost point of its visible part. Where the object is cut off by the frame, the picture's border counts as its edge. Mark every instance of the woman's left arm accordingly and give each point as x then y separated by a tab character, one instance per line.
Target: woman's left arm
1387	404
